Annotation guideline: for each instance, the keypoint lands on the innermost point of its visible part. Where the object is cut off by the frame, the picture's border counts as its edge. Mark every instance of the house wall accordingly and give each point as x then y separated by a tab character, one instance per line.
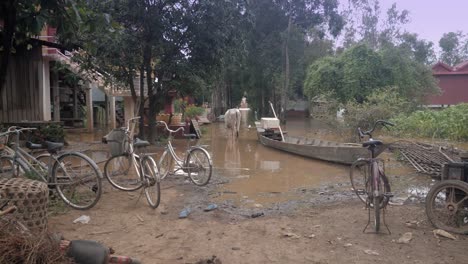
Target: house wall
21	96
454	90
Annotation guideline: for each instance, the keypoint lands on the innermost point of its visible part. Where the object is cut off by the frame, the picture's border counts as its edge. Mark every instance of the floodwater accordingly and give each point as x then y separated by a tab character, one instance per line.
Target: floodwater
261	175
252	175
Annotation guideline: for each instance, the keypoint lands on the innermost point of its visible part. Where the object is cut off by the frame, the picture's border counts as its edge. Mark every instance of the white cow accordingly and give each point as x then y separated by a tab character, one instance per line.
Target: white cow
232	119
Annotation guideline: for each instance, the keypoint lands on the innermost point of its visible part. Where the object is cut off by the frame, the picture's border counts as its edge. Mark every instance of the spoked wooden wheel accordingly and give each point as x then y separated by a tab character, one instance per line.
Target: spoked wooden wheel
447	206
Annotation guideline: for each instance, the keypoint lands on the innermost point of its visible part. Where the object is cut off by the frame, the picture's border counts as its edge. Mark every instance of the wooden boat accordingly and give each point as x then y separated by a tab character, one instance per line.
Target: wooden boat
345	153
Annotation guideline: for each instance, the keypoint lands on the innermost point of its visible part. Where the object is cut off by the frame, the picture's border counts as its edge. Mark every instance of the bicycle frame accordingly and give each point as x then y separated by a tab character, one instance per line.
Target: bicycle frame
130	130
179	161
25	159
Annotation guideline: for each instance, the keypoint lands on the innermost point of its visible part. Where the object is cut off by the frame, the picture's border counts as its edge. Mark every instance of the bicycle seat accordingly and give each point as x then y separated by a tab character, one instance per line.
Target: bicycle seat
53	147
31	145
139	143
88	252
372	143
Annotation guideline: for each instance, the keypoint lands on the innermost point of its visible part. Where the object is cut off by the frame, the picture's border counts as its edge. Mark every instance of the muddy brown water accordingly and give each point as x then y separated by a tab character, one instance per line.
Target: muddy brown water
259	176
250	175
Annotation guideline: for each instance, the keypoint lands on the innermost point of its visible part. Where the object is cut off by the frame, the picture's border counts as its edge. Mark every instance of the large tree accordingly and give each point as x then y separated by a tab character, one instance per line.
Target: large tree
454	48
360	70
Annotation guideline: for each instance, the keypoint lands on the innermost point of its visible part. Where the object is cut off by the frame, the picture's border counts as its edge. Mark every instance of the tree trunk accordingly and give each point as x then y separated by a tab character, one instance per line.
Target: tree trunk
151	98
285	88
142	101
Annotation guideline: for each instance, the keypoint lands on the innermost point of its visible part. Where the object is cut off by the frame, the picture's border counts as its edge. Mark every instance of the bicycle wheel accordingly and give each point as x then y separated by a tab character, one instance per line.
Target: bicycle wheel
360	182
77	179
122	173
198	166
151	181
447	206
9	168
166	163
359	175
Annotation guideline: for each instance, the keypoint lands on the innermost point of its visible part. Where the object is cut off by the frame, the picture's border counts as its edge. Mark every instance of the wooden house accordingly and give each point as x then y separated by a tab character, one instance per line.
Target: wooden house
453	81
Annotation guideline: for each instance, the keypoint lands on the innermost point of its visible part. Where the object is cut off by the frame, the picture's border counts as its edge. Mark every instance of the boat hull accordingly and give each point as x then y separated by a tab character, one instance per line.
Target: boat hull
344	153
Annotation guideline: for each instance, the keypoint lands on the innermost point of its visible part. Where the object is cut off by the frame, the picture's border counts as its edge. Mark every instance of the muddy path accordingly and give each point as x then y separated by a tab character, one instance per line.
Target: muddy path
273	207
309	233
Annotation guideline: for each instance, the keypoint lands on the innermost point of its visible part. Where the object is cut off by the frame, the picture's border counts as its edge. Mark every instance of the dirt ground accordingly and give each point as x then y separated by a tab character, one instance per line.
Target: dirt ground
308	233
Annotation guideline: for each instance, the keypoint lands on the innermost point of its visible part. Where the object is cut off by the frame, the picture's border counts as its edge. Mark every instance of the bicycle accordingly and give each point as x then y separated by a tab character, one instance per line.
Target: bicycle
196	161
126	170
75	177
373	189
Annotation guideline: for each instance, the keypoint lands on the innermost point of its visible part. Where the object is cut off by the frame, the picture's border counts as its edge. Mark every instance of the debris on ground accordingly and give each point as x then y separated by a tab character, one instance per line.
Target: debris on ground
291	235
255	215
412	224
213	260
443	233
425	158
210	207
405	238
25	248
184	213
84	219
371	252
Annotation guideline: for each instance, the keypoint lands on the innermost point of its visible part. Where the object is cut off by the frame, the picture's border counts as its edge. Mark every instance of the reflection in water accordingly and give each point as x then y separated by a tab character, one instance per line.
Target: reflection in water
262	174
232	160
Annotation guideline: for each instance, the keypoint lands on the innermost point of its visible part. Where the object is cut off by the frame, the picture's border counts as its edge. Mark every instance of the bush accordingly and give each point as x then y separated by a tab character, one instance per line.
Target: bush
381	104
450	123
54	133
193	111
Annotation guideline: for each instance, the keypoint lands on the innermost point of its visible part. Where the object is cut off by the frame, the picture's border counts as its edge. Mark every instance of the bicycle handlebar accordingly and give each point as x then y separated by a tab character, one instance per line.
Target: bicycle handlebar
13	129
16	130
170	130
384	123
133	119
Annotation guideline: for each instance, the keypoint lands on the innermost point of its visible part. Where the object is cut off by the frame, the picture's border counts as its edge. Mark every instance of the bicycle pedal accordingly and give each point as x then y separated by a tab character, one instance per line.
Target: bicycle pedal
361	192
388	195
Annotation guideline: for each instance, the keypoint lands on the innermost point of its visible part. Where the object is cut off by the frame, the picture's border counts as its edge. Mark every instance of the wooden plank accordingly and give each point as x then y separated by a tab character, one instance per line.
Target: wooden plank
196	128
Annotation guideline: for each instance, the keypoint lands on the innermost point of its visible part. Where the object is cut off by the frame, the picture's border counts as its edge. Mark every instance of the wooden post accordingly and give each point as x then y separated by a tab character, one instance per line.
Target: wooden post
56	96
89	108
75	103
112	118
44	90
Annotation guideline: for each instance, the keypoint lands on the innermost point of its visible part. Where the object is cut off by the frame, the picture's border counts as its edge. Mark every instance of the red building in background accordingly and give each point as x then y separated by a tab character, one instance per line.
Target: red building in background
453	81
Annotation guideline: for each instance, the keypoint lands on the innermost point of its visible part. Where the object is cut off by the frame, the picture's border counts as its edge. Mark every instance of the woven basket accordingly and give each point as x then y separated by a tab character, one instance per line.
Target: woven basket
31	199
118	142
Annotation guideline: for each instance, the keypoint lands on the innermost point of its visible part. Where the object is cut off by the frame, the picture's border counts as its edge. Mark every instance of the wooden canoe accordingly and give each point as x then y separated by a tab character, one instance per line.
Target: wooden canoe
344	153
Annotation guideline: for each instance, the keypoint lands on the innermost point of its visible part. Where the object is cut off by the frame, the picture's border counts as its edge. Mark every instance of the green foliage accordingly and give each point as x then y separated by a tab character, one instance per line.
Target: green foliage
381	104
179	105
193	111
359	71
54	133
450	123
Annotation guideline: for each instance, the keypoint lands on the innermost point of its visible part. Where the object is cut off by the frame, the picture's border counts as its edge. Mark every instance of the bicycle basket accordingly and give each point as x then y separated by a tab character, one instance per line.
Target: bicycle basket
118	142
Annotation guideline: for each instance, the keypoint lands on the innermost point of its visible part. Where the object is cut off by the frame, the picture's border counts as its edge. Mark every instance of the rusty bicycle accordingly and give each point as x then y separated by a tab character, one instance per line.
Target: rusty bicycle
368	178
